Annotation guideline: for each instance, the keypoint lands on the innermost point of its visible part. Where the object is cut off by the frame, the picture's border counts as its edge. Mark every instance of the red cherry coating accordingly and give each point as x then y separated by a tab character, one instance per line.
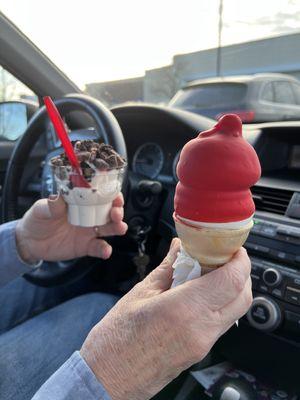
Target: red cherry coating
216	171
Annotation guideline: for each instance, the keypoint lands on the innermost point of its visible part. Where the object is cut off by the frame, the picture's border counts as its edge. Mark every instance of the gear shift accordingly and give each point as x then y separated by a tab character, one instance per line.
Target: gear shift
230	393
234	389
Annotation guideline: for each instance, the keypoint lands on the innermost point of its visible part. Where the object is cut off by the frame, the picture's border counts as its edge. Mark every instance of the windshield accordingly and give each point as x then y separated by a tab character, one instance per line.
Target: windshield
210	95
141	51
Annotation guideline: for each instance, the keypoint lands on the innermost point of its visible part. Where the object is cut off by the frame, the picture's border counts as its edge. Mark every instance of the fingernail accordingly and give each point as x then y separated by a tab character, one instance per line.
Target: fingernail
106	253
53	197
174	242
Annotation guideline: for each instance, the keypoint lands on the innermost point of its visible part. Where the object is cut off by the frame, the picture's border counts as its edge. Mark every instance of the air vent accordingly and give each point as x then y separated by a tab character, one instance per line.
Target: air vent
271	200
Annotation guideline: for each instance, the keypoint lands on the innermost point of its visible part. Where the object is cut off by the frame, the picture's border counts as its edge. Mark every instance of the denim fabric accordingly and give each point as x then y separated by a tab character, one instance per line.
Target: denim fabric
32	351
41	328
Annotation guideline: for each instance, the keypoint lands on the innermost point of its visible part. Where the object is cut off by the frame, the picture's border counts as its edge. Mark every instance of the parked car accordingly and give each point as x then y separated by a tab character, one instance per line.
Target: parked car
255	98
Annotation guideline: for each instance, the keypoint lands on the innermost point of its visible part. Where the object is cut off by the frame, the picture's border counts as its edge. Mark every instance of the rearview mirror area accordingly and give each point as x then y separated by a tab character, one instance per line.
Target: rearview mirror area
13	120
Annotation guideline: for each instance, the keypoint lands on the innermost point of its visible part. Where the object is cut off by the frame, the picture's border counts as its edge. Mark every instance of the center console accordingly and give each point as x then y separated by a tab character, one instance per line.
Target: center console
274	249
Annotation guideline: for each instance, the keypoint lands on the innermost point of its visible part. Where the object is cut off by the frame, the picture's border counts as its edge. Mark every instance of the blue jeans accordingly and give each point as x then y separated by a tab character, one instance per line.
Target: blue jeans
39	330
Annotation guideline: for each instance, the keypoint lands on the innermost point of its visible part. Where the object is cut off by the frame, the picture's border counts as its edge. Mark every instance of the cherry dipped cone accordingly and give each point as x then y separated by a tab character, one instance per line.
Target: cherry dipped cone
213	202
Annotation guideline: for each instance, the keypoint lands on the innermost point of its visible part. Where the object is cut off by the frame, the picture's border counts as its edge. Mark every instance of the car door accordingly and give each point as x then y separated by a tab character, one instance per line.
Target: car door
268	110
17	105
285	99
296	89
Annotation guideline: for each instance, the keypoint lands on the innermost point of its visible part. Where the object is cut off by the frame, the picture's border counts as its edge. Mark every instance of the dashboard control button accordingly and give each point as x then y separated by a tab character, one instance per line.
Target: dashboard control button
277	293
263	288
256	227
263	249
282	255
268	230
282	394
292	320
257	247
147	186
272	277
255	280
264	314
292	295
260	313
296	281
255	267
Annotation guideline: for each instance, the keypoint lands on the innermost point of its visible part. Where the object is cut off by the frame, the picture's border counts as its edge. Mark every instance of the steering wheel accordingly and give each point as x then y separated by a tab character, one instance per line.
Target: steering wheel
106	128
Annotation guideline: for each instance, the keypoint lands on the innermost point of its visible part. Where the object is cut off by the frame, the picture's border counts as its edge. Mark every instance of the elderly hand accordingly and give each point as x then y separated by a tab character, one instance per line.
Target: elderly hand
45	234
154	333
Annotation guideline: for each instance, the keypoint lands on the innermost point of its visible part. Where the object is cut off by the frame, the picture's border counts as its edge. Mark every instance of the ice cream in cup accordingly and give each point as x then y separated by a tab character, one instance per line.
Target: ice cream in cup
213	205
103	169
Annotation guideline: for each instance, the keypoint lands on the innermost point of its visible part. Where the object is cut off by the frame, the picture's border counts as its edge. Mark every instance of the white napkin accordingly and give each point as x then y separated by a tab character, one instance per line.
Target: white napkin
185	269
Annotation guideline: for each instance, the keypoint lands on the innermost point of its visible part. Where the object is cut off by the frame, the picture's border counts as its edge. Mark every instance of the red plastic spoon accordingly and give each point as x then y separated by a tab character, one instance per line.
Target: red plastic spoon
77	179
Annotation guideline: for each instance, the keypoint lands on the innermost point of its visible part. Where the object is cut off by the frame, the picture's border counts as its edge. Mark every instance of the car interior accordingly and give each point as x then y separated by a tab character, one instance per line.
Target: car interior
265	346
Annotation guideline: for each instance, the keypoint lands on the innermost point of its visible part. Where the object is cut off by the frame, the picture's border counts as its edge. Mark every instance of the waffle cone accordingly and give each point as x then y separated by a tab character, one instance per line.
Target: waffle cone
212	247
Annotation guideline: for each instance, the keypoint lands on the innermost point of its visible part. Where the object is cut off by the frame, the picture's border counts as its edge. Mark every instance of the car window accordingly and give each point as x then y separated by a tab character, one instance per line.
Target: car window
296	89
13	116
12	89
284	93
210	95
268	92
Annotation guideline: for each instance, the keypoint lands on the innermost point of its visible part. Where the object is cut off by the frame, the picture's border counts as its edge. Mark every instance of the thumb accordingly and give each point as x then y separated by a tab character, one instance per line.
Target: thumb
57	206
160	278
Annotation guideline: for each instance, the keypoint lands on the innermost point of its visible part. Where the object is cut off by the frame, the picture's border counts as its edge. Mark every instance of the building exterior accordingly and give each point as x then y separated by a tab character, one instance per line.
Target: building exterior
160	84
276	54
116	92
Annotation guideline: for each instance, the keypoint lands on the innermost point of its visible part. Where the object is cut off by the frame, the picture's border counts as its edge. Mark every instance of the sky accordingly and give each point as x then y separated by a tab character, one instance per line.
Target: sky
101	40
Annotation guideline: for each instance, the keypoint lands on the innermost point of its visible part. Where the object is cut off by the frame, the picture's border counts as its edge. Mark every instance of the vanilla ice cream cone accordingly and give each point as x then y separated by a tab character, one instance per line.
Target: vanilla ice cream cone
213	205
211	247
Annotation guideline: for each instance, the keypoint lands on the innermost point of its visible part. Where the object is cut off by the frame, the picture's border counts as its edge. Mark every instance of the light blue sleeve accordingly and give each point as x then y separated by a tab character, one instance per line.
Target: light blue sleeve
74	380
11	264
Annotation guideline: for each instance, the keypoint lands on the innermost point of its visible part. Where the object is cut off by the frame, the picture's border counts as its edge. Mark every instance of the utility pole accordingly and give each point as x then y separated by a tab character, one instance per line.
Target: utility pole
219	49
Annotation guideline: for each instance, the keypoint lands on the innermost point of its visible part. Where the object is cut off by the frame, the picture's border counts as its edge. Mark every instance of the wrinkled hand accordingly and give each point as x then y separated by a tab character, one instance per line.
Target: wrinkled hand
154	333
45	234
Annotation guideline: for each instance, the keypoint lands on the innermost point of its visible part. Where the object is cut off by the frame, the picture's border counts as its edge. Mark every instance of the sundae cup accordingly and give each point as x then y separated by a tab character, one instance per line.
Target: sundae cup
213	202
103	169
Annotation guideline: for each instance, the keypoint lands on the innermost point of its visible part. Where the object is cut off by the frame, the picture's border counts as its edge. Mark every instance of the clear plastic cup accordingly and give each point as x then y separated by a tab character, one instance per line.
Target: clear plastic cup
89	206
